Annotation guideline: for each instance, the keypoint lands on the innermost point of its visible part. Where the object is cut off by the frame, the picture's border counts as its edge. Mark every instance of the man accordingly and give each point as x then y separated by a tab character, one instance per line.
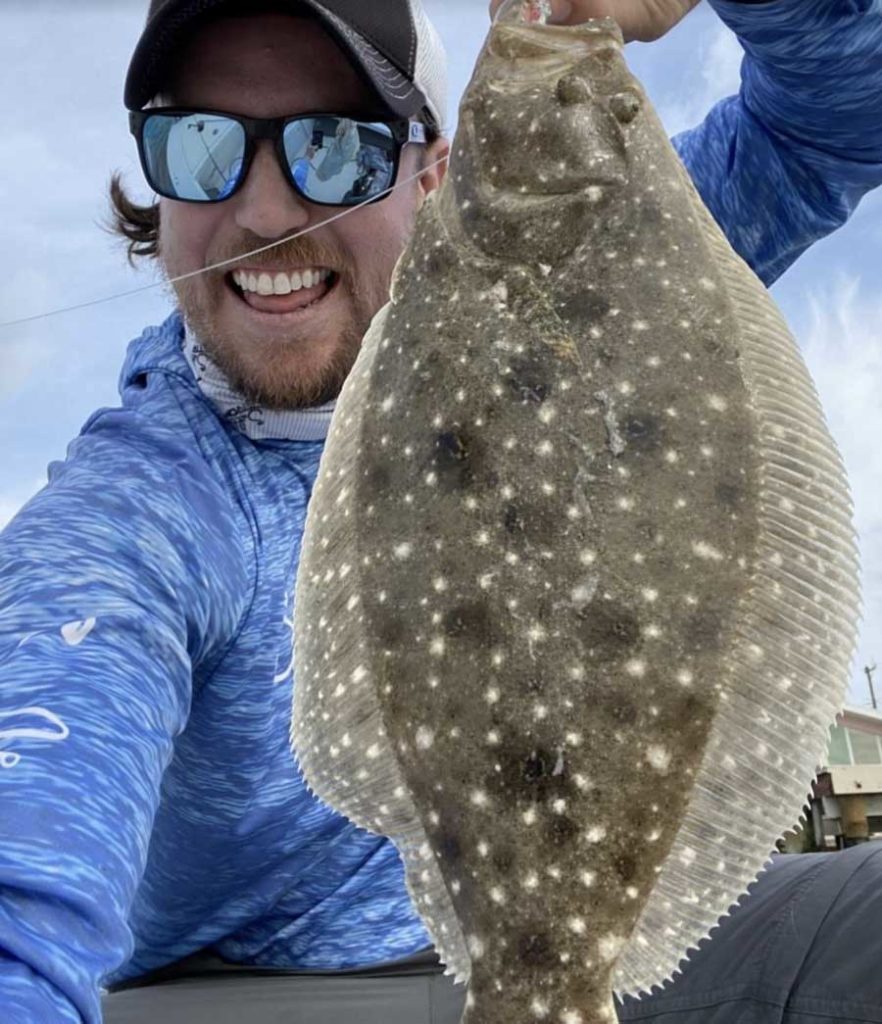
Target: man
146	593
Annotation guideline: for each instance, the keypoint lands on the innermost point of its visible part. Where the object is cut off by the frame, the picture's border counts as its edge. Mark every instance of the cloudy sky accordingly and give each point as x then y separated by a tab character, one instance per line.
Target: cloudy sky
63	130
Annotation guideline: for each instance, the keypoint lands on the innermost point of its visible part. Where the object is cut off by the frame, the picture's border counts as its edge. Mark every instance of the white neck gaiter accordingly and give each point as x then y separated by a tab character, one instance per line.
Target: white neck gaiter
252	420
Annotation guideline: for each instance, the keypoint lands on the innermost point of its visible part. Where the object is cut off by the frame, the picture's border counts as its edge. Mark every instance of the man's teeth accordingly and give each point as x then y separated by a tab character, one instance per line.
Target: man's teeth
279	284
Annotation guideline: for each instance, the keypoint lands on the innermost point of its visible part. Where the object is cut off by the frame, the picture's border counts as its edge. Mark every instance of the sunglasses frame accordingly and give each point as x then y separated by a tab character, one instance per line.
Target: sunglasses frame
403	130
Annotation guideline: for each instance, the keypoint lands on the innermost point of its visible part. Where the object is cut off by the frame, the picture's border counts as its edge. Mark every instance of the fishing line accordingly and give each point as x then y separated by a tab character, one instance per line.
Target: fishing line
225	263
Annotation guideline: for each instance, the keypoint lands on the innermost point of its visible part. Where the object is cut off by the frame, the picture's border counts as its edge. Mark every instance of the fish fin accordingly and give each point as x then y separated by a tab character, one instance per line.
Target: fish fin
337	730
794	636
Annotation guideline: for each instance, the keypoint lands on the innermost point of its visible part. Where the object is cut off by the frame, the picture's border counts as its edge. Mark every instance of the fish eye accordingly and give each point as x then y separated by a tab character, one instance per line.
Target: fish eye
625	106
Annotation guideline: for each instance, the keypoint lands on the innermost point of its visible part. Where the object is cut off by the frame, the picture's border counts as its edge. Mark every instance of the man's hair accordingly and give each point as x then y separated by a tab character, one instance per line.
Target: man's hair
139	225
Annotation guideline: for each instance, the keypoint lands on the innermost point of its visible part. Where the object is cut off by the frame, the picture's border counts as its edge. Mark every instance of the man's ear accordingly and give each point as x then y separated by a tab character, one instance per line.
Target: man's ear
434	173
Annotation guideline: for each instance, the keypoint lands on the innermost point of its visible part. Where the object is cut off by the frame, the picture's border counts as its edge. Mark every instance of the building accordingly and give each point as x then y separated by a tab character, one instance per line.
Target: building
847	804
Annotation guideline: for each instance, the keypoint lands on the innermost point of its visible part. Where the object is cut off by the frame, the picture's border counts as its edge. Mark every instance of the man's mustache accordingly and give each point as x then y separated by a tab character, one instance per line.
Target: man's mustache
295	252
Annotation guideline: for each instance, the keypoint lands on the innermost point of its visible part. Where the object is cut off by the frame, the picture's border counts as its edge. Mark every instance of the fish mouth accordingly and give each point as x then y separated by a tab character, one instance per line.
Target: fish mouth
532	198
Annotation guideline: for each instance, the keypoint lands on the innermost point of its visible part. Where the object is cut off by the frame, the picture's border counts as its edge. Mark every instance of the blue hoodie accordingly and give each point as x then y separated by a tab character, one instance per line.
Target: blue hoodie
150	804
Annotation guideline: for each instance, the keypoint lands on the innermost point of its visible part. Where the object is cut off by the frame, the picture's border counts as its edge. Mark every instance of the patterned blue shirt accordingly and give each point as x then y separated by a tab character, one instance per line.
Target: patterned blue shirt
150	804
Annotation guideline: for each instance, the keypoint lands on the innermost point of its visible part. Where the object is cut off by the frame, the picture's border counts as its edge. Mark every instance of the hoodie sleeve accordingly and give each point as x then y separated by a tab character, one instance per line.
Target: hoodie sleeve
787	160
121	581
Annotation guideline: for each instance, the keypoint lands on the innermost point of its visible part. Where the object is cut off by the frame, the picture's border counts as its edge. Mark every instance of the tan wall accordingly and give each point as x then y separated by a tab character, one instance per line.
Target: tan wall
860	724
862	779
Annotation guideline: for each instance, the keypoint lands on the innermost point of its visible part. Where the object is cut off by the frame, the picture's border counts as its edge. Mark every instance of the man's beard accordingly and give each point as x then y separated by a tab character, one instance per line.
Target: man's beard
267	374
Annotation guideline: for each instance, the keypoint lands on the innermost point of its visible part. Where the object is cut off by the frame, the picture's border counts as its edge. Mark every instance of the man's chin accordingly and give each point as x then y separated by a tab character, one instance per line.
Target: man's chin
283	375
282	362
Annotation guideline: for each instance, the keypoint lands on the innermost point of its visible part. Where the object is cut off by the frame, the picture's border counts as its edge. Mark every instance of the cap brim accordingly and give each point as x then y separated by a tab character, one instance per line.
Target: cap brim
148	66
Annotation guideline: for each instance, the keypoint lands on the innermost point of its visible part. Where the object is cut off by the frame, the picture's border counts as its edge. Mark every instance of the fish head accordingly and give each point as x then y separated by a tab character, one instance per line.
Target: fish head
541	152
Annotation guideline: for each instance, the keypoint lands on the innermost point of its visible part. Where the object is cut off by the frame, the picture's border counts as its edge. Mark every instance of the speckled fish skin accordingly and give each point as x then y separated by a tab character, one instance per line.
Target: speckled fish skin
578	593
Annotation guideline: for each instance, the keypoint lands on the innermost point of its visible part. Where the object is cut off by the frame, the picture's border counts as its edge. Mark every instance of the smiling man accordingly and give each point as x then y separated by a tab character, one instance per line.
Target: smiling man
284	327
154	827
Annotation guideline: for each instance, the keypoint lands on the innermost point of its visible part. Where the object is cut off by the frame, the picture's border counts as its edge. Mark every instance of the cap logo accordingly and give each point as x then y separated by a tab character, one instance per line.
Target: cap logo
417	132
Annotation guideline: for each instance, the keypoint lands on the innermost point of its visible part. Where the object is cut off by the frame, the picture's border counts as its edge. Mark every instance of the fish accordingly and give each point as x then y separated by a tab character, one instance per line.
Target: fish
578	590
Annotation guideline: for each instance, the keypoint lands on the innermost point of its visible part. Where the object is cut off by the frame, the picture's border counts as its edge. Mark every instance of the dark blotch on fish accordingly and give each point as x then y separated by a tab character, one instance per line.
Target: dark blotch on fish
625	867
608	629
624	712
513	519
539	765
449	849
535	949
562	830
703	630
453	460
585	307
503	860
469	621
378	476
730	494
643	431
390	630
528	380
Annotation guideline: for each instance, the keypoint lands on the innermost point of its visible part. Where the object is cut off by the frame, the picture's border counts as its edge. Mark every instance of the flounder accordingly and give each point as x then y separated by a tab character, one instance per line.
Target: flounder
579	586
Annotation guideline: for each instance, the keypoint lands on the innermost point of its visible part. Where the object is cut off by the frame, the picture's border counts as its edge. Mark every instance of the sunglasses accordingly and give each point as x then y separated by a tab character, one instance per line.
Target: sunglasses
203	156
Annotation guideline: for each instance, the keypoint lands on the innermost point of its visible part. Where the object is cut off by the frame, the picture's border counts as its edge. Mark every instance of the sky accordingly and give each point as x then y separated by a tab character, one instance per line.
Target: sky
64	129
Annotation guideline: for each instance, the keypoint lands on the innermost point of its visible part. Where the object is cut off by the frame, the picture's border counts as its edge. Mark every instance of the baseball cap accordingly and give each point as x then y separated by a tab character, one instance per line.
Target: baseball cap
392	42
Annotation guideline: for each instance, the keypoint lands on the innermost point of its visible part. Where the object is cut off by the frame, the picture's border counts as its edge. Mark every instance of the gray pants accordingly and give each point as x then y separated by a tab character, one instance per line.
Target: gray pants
205	990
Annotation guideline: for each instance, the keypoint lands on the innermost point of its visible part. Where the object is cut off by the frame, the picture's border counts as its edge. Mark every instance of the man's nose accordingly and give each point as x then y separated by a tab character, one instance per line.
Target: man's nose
267	204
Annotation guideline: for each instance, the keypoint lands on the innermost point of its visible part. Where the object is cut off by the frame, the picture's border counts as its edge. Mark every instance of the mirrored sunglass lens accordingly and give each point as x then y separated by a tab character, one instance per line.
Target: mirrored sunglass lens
194	156
339	161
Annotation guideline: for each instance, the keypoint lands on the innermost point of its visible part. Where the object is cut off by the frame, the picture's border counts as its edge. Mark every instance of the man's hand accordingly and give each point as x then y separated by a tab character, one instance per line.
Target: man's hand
638	19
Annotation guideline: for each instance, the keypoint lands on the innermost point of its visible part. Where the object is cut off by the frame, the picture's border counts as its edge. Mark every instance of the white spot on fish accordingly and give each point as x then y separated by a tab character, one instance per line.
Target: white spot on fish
402	551
609	947
659	758
717	403
595	834
479	798
424	738
707	551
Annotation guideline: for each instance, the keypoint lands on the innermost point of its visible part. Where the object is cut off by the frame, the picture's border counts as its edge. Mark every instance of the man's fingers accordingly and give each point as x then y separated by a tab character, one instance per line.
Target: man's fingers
562	10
